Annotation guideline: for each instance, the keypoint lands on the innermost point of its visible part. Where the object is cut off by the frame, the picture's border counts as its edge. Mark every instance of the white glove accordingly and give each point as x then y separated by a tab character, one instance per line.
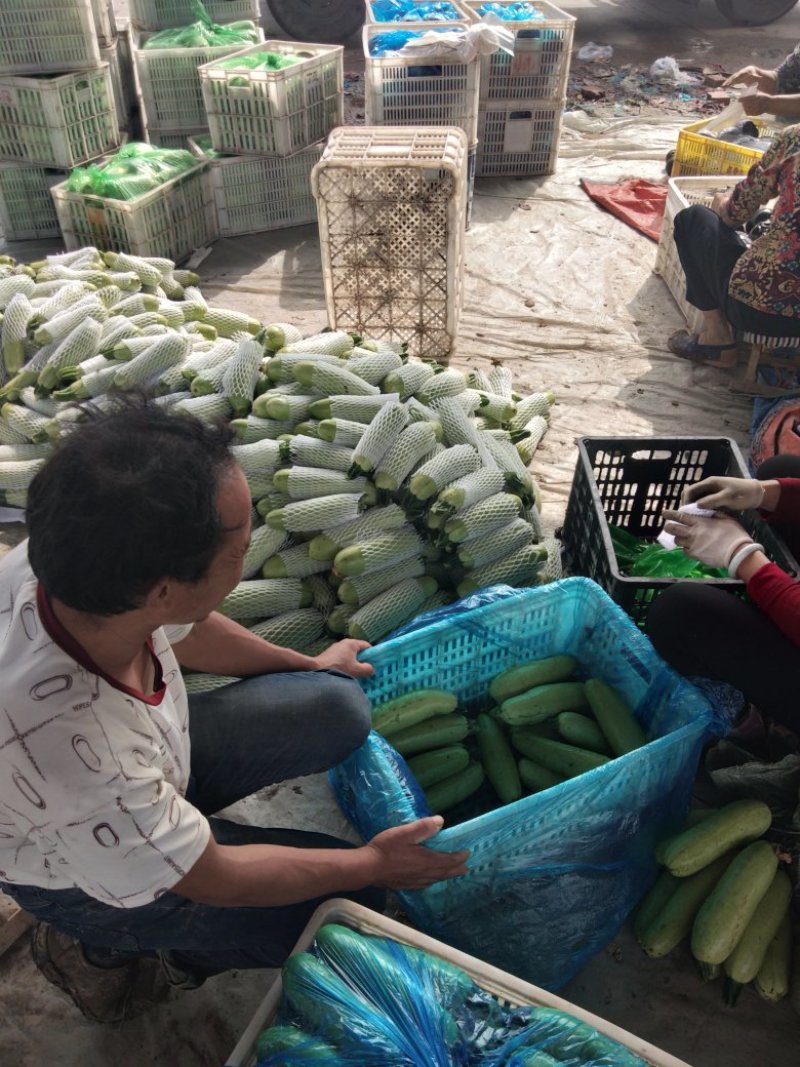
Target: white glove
713	541
737	494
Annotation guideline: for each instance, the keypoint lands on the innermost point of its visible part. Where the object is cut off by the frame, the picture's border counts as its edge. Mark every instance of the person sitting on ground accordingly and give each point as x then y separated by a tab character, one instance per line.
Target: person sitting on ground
777	91
702	630
110	775
753	288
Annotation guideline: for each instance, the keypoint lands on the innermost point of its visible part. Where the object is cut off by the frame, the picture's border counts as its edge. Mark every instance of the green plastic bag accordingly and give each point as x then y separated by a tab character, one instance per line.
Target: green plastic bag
645	559
137	168
204	33
259	61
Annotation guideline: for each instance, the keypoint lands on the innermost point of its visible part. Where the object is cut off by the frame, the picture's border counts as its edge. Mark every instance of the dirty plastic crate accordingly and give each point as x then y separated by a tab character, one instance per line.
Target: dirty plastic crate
47	36
681	192
164	14
170	221
118	57
518	139
169	82
254	194
508	989
391	204
175	138
58	121
628	482
539	66
553	876
275	112
696	154
406	91
27	211
105	22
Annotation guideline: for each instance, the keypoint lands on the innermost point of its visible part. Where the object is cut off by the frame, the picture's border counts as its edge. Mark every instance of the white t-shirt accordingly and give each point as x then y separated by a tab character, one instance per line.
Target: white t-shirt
92	773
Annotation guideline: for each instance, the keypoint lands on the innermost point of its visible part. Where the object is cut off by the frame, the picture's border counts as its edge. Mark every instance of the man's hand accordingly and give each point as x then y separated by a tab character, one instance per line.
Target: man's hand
765	81
405	863
736	494
343	656
719	205
711	540
758	103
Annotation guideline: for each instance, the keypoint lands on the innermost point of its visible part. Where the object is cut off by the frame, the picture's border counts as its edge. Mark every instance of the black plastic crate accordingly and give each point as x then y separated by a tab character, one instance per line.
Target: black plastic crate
629	482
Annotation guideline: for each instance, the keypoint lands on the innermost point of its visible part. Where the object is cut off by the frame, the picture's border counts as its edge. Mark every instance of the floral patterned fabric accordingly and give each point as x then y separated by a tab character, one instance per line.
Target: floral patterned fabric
789	73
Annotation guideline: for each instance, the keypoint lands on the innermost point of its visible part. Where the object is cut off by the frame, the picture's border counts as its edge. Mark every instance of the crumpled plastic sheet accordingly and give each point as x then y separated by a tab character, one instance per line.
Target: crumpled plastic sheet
553	876
461	45
413	11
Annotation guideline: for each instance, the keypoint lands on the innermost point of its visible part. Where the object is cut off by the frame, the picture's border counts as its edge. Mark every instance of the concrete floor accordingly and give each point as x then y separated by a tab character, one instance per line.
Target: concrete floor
564	293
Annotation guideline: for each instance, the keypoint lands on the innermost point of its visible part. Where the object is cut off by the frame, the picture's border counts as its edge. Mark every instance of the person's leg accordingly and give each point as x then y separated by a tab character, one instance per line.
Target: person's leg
700	630
269	728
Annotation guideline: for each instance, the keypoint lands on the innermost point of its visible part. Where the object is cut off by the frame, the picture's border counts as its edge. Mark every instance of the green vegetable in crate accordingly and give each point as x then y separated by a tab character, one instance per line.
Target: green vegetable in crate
390	609
498	760
536	778
580	730
567	1038
674	921
444	468
316	513
617	721
458	787
525	676
654	902
377	552
410	708
726	912
429	768
542	702
772	980
733	825
745	961
437	732
566	760
288	1039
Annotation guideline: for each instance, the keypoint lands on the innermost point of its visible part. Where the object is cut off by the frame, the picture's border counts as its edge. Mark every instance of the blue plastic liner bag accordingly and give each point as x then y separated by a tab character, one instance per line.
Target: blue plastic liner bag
521	12
553	876
414	11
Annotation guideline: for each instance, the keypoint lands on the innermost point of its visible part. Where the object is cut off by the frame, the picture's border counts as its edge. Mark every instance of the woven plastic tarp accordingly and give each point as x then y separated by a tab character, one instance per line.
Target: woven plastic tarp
553	876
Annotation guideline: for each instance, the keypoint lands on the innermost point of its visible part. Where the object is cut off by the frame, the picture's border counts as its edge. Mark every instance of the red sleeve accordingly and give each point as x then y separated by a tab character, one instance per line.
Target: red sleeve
788	509
778	596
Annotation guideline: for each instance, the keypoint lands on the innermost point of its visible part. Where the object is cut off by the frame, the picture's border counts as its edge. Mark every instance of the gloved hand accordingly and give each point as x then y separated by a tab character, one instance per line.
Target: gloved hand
738	494
712	541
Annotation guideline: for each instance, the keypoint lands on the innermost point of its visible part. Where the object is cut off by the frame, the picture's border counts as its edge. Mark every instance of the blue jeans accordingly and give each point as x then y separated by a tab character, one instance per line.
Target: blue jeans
244	737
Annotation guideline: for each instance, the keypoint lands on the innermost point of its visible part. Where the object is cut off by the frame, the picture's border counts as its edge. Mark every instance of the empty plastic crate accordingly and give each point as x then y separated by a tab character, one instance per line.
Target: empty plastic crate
507	988
409	91
274	112
699	154
58	121
391	204
44	36
105	23
257	193
517	139
539	66
169	83
27	211
164	14
681	192
171	221
629	482
552	876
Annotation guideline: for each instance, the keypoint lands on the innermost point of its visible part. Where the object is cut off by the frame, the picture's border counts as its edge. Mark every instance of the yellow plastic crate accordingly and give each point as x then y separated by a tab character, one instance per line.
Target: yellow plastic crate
696	154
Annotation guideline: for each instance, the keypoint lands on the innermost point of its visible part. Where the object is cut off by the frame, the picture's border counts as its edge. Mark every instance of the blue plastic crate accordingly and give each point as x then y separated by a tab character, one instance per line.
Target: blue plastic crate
553	876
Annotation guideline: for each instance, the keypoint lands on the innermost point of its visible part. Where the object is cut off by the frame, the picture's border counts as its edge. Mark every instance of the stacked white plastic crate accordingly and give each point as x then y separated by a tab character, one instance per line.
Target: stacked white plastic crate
522	95
58	107
267	130
167	80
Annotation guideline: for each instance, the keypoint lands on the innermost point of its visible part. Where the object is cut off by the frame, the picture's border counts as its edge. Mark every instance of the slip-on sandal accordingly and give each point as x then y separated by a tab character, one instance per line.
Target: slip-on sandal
687	347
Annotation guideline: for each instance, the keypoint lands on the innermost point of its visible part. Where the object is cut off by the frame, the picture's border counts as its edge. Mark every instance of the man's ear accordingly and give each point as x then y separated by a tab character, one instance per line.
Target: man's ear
160	597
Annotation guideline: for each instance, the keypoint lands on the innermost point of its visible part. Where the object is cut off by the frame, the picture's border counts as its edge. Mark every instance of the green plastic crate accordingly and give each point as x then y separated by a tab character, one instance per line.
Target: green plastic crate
27	211
45	36
58	121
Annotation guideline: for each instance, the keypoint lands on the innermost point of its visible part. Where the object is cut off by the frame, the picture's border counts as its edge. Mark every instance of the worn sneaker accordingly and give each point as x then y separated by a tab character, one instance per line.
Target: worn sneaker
178	976
102	994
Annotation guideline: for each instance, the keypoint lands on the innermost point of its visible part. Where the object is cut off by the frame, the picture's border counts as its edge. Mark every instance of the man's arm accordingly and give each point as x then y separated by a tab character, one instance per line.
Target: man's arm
218	645
274	876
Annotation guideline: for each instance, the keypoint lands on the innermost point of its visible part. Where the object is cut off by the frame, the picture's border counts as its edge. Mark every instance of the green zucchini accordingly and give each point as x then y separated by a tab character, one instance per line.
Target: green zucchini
733	825
525	676
580	730
451	791
437	732
411	708
620	726
536	778
431	767
772	980
290	1039
723	917
653	902
562	759
745	961
674	922
498	760
542	702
